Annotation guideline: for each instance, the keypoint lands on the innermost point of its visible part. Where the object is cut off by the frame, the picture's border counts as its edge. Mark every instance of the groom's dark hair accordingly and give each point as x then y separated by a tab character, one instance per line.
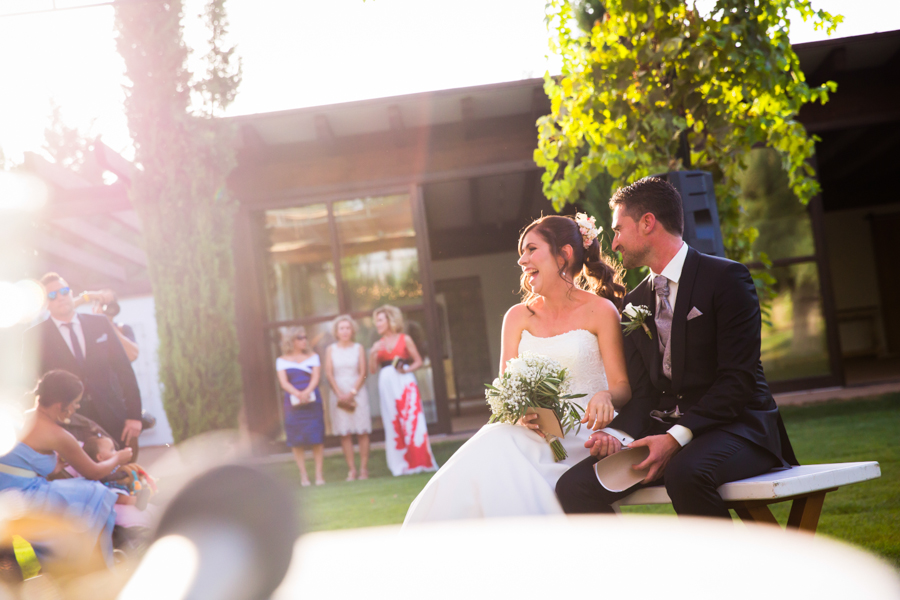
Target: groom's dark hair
652	195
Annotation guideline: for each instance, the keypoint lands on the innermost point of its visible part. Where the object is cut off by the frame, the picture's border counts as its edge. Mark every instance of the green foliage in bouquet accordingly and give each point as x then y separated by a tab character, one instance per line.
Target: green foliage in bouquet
534	381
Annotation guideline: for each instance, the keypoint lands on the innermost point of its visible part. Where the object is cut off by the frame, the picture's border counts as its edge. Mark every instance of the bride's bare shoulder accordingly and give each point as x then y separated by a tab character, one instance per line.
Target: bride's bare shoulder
517	315
602	309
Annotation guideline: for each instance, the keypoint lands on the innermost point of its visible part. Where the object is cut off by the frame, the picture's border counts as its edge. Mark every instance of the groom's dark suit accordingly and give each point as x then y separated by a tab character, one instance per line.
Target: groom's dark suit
111	392
717	384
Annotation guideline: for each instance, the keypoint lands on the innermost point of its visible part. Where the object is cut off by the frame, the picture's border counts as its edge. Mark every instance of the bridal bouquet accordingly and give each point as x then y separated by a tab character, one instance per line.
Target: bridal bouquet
534	381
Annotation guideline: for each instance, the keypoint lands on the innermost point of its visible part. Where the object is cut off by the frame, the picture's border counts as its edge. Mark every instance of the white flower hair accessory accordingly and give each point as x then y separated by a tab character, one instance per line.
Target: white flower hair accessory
588	227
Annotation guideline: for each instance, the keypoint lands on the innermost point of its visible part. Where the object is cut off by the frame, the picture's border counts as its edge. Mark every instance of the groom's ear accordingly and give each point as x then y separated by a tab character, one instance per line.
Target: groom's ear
647	223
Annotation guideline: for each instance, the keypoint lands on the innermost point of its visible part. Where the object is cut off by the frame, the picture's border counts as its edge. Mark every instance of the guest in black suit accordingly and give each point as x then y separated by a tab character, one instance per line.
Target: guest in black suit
87	346
700	401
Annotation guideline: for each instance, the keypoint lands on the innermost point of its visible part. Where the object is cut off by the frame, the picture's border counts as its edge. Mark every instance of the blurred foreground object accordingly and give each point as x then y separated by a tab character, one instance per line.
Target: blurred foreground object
227	535
622	558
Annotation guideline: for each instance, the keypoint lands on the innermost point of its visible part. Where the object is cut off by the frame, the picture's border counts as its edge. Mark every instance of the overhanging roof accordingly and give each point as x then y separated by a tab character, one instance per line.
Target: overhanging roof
385	114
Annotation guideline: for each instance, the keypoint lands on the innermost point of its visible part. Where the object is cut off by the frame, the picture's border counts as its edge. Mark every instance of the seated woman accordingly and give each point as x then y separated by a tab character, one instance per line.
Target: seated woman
27	465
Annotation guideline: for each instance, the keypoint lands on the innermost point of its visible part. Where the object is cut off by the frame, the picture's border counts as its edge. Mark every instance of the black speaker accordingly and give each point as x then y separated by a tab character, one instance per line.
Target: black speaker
701	217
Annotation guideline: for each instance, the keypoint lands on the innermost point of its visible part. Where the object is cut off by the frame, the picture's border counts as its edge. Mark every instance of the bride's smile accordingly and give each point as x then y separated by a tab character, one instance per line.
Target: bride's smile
536	260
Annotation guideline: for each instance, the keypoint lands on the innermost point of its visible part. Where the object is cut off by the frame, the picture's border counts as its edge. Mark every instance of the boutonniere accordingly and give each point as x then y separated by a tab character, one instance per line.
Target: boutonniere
638	314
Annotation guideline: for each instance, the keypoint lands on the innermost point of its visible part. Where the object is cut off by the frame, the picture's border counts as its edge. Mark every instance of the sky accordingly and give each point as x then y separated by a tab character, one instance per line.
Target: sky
298	53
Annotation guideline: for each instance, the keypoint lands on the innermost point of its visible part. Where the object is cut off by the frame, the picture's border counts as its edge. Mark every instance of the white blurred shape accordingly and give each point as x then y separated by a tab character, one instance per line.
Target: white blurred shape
22	192
32	299
7	431
602	557
12	304
167	571
20	302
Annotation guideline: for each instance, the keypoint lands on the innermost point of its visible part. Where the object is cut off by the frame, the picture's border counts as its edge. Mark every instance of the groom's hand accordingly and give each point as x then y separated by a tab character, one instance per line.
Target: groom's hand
662	449
602	444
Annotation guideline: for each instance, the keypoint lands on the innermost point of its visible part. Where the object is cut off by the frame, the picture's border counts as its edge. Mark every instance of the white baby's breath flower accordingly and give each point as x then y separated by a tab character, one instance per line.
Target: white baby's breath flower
516	367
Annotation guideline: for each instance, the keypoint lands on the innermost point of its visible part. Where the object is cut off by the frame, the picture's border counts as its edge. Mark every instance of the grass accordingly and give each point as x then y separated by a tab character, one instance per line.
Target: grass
865	514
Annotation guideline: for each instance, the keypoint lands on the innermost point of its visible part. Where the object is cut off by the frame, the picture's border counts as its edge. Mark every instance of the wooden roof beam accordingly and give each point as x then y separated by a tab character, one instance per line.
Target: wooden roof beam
540	104
833	63
399	133
113	162
467	108
53	173
94	200
66	251
129	218
324	132
102	239
251	141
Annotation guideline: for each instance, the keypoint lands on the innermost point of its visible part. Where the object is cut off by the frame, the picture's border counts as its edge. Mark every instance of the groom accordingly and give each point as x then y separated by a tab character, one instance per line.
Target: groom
699	401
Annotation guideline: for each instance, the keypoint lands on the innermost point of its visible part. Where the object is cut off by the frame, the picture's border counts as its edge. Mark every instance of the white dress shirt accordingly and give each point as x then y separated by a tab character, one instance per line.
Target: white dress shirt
672	272
64	332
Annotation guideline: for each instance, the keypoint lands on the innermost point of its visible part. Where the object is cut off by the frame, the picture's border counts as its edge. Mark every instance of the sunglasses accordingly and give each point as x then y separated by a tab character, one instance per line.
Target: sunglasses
60	292
299	337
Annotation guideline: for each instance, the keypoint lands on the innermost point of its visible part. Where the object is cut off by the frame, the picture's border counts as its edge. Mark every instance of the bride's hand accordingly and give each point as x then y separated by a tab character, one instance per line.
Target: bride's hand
599	412
529	421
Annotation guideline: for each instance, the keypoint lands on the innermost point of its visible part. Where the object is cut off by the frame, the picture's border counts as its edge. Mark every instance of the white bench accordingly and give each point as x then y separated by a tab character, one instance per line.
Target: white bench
805	485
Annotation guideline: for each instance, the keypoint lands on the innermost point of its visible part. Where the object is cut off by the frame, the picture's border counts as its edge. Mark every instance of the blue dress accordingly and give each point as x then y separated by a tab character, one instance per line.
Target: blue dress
89	502
304	425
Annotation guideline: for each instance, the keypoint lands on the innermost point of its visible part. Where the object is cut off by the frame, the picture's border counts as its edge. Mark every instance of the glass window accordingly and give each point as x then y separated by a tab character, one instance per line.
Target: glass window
300	270
379	265
379	260
794	345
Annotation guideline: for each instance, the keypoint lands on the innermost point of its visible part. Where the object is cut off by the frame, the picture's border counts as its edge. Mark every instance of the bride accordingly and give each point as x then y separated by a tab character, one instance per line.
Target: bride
569	313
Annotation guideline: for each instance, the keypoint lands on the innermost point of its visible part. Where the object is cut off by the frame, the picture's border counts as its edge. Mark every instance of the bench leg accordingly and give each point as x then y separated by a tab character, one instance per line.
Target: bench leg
756	514
805	512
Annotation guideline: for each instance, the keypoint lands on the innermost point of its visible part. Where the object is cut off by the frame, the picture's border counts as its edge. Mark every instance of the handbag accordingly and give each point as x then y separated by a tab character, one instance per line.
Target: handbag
348	405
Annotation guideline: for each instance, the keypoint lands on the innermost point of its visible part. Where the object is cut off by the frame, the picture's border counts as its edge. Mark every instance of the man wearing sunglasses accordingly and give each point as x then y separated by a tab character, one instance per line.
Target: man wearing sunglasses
87	346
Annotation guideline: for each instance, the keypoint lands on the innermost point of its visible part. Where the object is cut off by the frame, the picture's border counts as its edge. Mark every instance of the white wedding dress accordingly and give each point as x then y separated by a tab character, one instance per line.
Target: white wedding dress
508	470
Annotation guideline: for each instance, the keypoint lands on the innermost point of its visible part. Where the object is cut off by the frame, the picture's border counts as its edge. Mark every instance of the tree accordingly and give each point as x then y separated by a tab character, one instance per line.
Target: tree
657	86
68	146
182	157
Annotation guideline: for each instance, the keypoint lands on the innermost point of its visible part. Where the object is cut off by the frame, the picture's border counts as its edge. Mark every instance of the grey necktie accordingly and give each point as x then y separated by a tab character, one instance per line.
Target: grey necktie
76	347
663	321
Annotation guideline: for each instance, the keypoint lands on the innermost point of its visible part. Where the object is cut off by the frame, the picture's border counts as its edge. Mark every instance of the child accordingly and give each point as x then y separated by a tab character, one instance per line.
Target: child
132	482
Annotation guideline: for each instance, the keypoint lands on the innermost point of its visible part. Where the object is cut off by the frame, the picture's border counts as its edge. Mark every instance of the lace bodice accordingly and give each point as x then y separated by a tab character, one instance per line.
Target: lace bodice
578	352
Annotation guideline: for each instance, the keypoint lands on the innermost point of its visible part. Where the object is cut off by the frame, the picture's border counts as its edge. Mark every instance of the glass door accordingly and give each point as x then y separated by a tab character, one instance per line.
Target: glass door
347	257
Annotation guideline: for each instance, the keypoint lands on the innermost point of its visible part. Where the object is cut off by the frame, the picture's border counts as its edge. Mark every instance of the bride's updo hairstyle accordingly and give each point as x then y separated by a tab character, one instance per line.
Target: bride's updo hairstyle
590	269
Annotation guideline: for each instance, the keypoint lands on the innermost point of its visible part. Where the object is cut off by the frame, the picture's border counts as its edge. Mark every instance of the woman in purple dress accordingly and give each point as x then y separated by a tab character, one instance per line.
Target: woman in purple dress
299	370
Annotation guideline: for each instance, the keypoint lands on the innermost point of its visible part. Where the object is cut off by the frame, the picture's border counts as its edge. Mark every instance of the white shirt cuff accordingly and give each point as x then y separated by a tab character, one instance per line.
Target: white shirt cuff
682	434
619	435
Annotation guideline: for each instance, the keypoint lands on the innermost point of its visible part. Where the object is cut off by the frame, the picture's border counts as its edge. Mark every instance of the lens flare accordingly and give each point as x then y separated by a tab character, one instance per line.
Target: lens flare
11	304
22	192
20	302
32	299
11	421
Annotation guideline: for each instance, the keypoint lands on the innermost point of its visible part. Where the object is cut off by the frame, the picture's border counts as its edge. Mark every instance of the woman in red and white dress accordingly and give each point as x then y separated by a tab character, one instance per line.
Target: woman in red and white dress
395	358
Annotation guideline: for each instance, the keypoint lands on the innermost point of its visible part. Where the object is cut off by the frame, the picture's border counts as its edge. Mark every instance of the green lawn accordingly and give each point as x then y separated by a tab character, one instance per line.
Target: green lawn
866	514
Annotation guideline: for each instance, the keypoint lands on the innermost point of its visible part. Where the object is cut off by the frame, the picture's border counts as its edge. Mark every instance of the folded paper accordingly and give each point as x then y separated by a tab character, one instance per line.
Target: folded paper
615	473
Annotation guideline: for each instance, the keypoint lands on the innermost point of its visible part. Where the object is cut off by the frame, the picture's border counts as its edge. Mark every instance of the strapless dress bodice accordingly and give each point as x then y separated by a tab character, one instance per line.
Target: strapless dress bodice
577	351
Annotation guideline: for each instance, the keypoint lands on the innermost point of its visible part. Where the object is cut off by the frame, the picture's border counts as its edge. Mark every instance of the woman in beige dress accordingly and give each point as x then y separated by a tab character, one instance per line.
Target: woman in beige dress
345	368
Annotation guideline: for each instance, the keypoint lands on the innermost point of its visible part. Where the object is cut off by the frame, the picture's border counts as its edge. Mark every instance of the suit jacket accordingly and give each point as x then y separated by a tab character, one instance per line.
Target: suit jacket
111	392
717	376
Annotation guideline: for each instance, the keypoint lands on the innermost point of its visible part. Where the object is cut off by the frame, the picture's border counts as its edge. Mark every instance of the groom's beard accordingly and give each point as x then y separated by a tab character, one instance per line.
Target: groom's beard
632	259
